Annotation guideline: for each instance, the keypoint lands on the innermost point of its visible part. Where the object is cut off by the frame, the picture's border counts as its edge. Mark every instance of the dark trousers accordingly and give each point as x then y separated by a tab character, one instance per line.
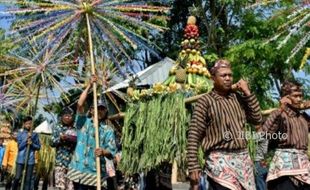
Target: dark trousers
2	174
36	182
260	176
216	186
285	183
9	180
78	186
112	183
19	174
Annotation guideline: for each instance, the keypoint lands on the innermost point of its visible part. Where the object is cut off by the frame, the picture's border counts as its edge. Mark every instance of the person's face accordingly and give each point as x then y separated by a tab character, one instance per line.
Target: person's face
28	124
296	97
102	111
14	135
67	119
223	79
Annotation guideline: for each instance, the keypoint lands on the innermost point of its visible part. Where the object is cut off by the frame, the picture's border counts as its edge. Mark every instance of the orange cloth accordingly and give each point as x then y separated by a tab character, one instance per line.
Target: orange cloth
10	154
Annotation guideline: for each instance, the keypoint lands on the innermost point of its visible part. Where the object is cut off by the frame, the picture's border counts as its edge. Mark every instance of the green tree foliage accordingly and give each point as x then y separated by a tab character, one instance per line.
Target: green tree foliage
255	36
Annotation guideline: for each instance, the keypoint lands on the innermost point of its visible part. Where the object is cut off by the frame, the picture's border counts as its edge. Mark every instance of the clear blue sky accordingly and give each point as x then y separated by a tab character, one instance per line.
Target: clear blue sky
5	24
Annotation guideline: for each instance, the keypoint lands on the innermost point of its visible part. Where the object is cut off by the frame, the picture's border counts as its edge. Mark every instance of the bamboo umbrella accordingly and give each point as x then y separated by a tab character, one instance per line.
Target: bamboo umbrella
118	27
28	76
295	31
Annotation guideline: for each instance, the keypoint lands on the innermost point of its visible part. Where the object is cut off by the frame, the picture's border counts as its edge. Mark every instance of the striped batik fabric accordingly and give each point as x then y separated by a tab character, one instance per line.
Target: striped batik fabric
84	178
289	128
218	123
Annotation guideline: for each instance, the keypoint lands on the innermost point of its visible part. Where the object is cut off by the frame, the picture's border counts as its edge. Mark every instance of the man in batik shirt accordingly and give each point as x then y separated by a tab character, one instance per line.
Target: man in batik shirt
218	124
64	140
82	169
290	167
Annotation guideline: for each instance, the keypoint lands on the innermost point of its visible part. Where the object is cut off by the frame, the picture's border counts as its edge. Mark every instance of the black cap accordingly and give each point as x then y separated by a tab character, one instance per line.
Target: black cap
67	110
27	118
100	103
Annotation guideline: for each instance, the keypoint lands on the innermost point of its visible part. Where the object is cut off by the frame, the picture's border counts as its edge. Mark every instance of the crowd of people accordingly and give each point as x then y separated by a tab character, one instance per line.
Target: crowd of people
74	140
217	125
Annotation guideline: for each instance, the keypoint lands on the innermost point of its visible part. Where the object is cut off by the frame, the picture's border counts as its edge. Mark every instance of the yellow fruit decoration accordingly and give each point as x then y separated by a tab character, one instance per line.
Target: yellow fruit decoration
158	88
191	20
173	87
130	91
206	73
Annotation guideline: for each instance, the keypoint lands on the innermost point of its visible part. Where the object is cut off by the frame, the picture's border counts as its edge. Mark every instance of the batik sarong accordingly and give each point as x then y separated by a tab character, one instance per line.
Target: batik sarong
61	180
233	170
290	162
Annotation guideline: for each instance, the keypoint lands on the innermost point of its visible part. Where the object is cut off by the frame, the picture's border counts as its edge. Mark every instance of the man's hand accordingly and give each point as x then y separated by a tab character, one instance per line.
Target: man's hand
301	106
285	101
29	141
101	152
242	86
93	79
194	177
63	137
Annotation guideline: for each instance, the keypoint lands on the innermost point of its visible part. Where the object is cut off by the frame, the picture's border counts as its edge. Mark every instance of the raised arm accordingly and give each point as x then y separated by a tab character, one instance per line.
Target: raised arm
83	96
249	103
272	123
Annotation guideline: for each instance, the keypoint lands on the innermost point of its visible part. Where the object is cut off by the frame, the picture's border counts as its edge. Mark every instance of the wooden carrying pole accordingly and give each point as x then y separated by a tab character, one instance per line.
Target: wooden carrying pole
93	70
30	133
189	100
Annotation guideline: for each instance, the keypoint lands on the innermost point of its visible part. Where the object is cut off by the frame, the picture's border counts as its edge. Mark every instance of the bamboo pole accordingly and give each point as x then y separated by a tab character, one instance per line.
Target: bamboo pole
174	173
193	98
30	133
189	100
119	115
267	112
93	70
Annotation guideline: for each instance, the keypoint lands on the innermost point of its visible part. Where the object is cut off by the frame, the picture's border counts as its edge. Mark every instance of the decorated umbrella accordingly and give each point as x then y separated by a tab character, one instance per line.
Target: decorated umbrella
115	27
295	31
29	74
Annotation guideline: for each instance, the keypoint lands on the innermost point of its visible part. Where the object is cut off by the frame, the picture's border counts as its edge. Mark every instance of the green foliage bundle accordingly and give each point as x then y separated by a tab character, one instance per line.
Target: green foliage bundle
46	157
154	132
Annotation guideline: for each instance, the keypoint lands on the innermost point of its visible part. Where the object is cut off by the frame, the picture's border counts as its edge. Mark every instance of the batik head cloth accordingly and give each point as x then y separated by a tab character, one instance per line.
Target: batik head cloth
222	63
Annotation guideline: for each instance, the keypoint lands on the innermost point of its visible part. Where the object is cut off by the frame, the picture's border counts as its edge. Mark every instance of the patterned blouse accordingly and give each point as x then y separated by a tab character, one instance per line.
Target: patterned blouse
82	168
64	149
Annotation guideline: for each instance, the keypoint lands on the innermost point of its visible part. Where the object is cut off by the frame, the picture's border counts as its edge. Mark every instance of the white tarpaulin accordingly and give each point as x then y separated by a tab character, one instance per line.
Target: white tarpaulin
44	127
156	73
